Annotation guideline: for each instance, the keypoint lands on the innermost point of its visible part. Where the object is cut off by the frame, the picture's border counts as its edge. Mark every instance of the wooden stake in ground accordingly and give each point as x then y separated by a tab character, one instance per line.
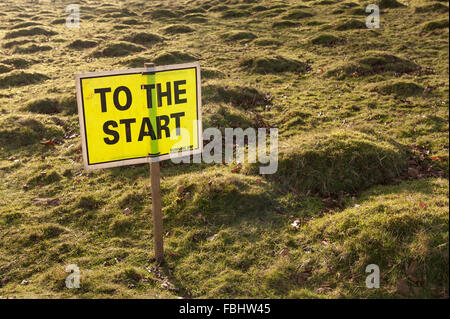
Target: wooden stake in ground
156	205
156	211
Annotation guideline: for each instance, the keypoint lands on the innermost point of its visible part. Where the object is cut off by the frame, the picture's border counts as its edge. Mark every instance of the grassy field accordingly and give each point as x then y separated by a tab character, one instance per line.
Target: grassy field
363	168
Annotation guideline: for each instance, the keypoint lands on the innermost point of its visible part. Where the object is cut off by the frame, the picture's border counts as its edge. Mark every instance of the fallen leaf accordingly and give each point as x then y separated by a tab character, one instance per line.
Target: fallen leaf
296	224
284	252
422	205
411	268
439	292
237	169
416	291
166	284
403	288
413	172
211	238
46	201
410	271
303	277
202	218
323	288
49	142
171	254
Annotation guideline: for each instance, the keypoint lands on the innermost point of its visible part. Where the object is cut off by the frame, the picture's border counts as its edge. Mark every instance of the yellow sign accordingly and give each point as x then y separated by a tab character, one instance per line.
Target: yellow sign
139	115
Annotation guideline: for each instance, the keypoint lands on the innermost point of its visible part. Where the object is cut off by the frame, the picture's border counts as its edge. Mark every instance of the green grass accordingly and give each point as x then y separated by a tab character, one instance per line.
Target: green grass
325	40
373	63
338	161
177	29
276	64
357	110
20	78
34	31
118	49
400	88
144	38
435	25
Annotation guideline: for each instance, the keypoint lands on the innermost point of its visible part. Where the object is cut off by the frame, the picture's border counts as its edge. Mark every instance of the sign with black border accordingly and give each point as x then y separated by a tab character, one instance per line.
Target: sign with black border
140	115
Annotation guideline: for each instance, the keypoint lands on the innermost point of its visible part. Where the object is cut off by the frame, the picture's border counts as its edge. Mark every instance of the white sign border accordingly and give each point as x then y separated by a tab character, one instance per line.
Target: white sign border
135	161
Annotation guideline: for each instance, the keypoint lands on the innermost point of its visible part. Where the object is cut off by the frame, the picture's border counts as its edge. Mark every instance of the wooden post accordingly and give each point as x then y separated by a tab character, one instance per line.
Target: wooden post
156	205
156	211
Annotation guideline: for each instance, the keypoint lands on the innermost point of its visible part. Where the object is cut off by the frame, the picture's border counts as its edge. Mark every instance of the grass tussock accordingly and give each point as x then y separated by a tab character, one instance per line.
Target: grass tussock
233	14
435	25
89	203
335	204
351	24
326	40
58	21
434	7
29	32
238	36
5	68
338	161
390	4
211	73
400	88
196	18
388	229
135	62
117	49
43	178
223	115
24	25
374	63
161	14
174	57
143	38
32	48
14	43
297	15
23	131
21	78
177	29
264	42
285	24
238	96
44	232
82	44
66	104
